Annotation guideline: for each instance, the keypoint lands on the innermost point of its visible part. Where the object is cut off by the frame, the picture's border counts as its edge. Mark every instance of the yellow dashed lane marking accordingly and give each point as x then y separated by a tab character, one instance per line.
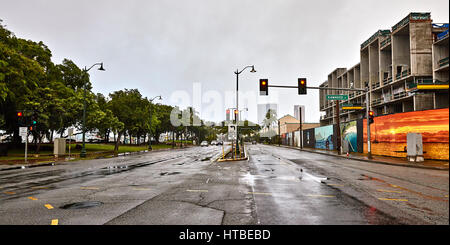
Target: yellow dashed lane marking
89	188
141	189
392	199
32	198
197	190
260	193
9	192
388	191
48	206
311	195
54	222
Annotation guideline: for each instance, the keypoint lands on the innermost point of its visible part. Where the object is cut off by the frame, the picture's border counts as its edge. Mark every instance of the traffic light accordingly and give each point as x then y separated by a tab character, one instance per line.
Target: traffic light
33	120
20	118
302	86
31	128
263	86
228	115
235	115
371	117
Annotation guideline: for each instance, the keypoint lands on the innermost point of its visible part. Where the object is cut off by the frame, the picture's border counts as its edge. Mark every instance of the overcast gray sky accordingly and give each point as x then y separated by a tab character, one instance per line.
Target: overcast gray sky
164	46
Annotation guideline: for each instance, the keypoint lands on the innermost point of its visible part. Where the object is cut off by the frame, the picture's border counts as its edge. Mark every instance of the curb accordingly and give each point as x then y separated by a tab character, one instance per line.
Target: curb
367	160
52	163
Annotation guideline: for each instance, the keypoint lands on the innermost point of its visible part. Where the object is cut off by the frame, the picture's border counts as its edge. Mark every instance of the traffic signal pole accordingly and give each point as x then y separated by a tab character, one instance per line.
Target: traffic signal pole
300	133
369	151
338	132
26	147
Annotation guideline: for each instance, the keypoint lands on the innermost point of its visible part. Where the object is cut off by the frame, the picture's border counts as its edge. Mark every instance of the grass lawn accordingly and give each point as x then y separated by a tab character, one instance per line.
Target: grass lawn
18	154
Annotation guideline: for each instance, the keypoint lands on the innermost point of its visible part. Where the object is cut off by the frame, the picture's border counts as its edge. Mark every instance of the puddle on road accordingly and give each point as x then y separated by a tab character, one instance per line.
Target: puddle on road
81	205
167	173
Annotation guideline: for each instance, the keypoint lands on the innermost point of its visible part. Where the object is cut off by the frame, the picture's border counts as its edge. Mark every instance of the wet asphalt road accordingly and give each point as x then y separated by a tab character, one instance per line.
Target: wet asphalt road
184	186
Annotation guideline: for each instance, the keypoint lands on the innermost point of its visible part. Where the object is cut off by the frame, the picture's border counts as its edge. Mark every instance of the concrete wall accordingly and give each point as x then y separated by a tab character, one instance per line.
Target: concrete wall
364	67
400	52
374	63
385	63
421	40
423	101
357	75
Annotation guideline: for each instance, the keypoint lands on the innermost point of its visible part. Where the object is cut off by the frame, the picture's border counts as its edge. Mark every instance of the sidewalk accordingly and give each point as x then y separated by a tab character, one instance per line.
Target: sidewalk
4	167
428	164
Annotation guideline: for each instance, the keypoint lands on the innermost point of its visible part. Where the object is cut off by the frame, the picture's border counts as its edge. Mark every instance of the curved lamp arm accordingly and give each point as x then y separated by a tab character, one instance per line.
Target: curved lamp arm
159	96
101	67
239	72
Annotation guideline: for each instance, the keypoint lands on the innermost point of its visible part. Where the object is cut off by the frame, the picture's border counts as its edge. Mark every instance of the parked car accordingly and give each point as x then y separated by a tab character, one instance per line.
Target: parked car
204	143
213	142
219	142
254	142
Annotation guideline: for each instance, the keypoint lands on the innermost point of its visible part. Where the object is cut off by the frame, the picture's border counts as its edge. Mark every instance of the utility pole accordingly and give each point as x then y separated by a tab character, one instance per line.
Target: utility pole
338	133
369	151
300	129
279	134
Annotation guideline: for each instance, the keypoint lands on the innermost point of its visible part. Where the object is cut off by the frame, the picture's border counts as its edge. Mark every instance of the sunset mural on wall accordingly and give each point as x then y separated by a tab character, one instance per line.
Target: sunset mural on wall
388	133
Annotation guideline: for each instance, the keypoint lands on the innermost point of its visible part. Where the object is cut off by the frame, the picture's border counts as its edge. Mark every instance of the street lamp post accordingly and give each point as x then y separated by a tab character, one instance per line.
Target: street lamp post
237	72
150	135
83	148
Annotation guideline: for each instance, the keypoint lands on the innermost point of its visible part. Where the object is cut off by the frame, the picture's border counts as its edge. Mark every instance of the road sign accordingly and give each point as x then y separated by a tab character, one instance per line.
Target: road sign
23	131
232	132
337	97
70	131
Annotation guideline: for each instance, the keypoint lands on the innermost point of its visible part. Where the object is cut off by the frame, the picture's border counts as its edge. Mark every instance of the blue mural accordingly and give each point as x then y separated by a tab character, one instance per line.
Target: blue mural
323	137
349	134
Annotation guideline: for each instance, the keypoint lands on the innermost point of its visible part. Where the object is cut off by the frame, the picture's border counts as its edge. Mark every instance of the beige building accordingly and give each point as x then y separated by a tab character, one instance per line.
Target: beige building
289	124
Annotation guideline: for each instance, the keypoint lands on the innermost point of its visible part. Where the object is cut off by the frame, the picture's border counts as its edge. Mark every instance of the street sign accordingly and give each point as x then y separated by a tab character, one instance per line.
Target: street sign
337	97
232	132
70	131
23	131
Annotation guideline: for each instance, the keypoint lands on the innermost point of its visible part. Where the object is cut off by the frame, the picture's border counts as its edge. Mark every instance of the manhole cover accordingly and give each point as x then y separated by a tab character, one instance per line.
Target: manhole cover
78	205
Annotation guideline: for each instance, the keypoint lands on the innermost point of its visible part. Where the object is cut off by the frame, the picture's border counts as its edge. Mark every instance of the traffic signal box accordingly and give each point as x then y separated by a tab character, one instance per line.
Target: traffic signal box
26	121
371	117
263	86
235	115
21	119
302	86
228	115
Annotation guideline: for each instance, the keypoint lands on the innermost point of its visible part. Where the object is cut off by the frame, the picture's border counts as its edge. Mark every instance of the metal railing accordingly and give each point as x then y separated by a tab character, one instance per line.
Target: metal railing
399	95
378	33
376	101
376	85
443	62
387	80
385	42
411	16
414	84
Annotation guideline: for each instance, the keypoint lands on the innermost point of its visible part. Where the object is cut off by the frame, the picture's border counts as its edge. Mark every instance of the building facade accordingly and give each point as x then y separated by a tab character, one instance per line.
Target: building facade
404	69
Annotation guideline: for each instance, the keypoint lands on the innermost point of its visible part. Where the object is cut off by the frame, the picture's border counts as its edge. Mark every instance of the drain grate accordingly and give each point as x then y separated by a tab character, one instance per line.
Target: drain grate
80	205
